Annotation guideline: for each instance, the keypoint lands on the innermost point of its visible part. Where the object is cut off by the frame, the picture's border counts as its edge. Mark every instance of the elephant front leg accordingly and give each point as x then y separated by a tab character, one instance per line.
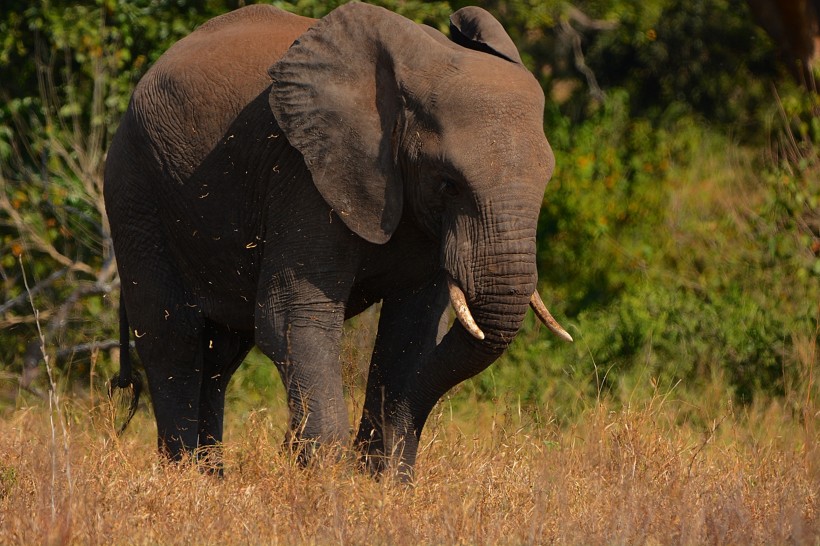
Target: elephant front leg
299	327
303	341
409	328
309	264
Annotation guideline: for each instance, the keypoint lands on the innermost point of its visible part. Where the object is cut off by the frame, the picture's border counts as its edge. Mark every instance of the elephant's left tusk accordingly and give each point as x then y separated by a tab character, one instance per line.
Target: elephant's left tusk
545	316
459	303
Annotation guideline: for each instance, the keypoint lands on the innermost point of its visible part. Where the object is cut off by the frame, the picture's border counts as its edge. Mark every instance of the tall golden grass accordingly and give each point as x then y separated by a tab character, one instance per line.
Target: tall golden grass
658	471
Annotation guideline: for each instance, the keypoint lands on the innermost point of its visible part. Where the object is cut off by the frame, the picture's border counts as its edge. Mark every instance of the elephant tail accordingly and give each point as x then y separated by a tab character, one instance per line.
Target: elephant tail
125	377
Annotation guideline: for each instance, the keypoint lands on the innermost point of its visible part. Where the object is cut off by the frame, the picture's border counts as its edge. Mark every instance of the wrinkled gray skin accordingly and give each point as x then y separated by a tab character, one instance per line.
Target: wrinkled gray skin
261	193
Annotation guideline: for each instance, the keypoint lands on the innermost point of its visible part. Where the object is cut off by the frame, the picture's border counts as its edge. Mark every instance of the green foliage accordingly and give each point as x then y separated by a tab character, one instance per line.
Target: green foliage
434	14
68	70
715	273
674	55
605	194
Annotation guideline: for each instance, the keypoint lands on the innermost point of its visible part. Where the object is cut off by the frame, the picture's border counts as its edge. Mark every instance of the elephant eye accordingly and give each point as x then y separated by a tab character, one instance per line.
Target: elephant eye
449	186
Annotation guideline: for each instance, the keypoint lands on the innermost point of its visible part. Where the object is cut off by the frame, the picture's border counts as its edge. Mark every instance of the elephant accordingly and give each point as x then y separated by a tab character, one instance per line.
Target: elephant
275	175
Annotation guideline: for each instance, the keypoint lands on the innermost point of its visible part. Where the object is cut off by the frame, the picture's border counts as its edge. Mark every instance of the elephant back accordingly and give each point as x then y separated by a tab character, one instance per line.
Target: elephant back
188	99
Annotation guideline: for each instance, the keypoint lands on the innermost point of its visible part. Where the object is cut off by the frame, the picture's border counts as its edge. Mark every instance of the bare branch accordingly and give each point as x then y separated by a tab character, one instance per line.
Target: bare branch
28	319
83	348
42	285
34	356
39	242
587	22
574	38
60	318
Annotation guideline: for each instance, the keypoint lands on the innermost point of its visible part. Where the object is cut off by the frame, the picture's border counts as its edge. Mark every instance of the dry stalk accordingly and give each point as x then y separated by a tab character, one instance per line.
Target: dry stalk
54	406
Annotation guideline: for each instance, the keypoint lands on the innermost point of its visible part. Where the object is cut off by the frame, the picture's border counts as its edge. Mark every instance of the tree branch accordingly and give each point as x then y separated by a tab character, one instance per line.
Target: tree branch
39	242
587	22
42	285
574	38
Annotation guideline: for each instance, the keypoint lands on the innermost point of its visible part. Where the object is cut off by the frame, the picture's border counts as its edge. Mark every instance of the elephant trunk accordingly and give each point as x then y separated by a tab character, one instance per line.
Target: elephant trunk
458	356
461	354
491	285
491	259
489	263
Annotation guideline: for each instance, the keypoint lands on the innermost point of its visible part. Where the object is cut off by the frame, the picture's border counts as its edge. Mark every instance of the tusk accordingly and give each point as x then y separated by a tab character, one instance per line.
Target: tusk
545	316
459	303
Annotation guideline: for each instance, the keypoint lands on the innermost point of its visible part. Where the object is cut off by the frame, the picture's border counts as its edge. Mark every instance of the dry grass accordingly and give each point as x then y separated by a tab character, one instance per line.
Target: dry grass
661	473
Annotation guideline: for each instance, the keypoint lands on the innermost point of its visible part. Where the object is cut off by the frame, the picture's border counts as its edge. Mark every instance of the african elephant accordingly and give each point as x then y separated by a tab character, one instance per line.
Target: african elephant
275	175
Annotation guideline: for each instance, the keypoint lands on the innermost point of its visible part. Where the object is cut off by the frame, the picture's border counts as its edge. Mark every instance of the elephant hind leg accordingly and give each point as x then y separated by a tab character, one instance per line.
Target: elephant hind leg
223	351
173	361
165	318
167	327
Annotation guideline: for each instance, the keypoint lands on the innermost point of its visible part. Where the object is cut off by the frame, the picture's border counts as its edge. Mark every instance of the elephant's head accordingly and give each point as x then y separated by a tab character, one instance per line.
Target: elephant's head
393	118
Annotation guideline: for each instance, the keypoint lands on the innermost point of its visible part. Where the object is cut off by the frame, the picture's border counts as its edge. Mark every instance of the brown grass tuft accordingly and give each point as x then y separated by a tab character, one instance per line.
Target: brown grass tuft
658	473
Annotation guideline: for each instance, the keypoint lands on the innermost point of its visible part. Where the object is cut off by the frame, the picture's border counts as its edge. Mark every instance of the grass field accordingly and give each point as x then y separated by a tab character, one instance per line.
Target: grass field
658	471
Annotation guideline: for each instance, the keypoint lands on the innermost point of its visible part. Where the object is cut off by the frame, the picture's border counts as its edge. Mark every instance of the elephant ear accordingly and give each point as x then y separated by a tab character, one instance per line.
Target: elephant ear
336	96
474	28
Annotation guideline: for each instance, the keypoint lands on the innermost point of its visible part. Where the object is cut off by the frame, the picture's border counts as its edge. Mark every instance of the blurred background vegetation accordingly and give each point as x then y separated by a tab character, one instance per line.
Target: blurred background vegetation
679	239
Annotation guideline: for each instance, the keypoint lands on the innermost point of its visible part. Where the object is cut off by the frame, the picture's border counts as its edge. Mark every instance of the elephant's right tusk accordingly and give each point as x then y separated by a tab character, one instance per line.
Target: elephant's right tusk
459	303
545	316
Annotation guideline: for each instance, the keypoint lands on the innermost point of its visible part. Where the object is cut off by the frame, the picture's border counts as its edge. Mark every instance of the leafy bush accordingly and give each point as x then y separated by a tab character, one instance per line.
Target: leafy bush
673	56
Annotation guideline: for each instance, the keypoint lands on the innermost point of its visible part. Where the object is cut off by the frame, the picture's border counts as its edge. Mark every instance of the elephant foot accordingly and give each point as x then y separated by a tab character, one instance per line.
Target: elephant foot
386	467
209	460
312	452
384	452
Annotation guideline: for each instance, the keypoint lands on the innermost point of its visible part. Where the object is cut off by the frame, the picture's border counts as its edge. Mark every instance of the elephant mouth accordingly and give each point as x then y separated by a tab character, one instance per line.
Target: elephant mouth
465	317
